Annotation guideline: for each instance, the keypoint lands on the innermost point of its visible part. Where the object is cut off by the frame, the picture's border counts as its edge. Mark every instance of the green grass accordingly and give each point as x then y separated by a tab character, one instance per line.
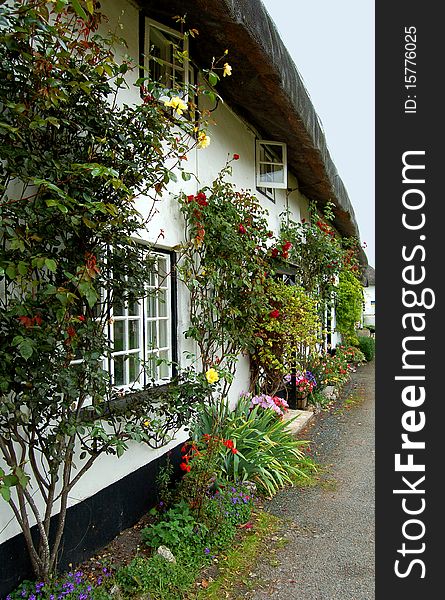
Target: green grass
310	473
349	403
235	566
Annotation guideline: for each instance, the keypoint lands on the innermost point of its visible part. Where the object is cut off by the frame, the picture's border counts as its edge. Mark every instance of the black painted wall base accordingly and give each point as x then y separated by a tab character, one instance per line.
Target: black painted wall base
91	524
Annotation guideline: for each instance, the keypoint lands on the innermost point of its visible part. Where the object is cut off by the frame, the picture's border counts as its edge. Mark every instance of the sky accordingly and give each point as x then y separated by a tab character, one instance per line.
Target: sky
332	45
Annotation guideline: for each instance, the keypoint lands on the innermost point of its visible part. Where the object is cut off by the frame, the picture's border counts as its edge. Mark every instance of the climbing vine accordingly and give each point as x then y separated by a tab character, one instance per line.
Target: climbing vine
224	266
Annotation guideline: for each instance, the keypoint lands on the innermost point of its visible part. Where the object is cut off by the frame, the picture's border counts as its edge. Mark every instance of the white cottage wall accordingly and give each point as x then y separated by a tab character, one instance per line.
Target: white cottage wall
230	134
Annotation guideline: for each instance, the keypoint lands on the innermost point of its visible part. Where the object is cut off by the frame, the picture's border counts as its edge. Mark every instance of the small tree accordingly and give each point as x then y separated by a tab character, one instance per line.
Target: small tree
72	162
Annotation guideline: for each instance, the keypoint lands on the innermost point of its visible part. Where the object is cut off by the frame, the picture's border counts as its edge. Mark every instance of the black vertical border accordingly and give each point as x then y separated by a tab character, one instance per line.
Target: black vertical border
398	132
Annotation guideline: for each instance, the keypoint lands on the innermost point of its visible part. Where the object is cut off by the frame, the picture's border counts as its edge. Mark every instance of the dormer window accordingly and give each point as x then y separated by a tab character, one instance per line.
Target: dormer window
271	164
166	57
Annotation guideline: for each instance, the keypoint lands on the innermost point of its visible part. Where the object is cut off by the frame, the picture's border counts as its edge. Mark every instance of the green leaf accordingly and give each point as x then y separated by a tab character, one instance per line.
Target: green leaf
90	224
213	78
10	480
22	478
79	10
53	121
5	492
25	348
11	272
185	176
91	297
22	268
51	265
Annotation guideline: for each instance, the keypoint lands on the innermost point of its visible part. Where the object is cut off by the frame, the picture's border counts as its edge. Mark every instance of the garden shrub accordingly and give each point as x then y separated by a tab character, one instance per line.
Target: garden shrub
351	354
230	505
158	578
266	451
367	346
177	527
349	303
282	337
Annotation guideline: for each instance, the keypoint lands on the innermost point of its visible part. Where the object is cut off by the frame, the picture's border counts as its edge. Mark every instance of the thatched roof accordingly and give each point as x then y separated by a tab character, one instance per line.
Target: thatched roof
369	276
266	89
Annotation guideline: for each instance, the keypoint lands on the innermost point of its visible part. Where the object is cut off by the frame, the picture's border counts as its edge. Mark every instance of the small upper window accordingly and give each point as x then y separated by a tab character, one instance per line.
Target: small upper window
271	164
166	55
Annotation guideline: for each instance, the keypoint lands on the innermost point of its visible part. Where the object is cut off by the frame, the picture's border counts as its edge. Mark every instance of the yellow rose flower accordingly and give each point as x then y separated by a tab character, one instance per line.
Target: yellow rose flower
212	375
178	105
227	70
203	140
146	423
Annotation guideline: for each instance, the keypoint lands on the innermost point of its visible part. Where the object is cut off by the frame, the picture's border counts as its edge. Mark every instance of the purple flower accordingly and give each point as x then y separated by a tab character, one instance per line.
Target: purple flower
207	550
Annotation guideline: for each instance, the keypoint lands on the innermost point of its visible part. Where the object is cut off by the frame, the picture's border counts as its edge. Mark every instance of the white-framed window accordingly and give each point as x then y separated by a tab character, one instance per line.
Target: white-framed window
161	47
270	193
140	332
271	165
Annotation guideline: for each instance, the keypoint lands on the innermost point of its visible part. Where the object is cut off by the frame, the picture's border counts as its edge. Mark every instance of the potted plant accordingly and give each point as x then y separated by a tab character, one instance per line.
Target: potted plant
304	384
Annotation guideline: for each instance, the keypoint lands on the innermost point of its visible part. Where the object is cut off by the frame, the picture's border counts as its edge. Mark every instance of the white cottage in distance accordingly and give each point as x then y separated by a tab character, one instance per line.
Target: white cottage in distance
267	119
369	297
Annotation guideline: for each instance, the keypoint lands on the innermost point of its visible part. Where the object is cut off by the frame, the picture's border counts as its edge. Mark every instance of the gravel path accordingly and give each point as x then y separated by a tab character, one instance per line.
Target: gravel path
328	546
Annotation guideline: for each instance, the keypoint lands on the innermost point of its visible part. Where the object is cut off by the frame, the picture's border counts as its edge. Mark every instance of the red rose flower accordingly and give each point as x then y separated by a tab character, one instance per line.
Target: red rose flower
26	321
185	467
274	252
81	318
201	196
287	246
285	254
241	228
235	156
190	198
274	314
228	444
